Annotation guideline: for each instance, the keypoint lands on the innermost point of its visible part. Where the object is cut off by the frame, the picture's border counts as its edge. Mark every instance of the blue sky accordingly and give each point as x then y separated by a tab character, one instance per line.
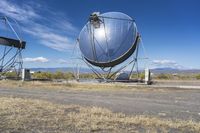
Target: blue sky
170	29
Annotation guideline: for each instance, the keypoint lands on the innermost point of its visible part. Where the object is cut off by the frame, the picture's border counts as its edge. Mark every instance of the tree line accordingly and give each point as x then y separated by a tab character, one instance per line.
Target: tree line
70	75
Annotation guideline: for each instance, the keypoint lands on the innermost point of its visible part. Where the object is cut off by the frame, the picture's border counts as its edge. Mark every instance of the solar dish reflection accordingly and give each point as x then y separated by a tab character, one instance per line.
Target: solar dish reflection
108	39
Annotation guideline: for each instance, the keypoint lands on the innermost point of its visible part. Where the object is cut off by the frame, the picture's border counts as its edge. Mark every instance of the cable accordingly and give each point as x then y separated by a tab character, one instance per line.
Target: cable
12	29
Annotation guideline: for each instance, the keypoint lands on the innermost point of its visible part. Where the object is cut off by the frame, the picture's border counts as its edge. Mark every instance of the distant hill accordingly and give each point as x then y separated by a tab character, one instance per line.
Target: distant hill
61	69
174	70
87	70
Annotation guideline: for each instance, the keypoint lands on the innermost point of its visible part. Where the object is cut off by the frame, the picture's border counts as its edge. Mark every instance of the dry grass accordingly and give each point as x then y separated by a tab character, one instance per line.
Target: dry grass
27	115
69	85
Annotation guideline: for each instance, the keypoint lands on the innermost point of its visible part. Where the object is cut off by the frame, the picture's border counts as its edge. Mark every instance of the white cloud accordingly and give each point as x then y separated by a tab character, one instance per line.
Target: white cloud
67	25
36	59
166	63
54	30
23	13
62	61
49	38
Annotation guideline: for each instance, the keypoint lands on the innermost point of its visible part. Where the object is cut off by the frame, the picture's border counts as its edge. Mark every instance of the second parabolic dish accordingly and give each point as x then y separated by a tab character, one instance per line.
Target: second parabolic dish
108	39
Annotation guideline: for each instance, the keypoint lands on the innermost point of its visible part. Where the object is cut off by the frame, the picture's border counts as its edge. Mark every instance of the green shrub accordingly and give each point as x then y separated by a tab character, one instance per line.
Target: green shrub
140	75
88	76
56	75
42	75
198	76
11	74
163	76
69	75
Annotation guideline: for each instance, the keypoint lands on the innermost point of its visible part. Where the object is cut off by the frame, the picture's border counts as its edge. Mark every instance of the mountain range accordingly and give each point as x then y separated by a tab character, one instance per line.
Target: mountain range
87	70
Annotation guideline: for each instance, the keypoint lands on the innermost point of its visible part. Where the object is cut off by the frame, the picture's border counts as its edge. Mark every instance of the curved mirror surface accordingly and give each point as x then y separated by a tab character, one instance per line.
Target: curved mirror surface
110	40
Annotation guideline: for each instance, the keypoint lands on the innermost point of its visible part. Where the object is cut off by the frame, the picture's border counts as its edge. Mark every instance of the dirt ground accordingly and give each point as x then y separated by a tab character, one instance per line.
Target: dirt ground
26	115
165	103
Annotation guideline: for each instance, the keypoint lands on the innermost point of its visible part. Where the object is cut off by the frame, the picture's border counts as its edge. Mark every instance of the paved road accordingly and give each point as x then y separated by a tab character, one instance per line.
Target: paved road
182	104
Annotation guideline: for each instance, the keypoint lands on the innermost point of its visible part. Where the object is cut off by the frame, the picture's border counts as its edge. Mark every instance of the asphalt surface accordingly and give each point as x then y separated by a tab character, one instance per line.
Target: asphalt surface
167	103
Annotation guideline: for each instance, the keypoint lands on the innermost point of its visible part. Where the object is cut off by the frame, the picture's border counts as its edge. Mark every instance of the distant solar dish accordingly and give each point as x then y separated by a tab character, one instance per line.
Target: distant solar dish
108	39
11	46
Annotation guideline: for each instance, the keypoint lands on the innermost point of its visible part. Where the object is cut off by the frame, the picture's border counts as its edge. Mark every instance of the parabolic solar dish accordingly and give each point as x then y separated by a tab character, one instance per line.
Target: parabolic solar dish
108	39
